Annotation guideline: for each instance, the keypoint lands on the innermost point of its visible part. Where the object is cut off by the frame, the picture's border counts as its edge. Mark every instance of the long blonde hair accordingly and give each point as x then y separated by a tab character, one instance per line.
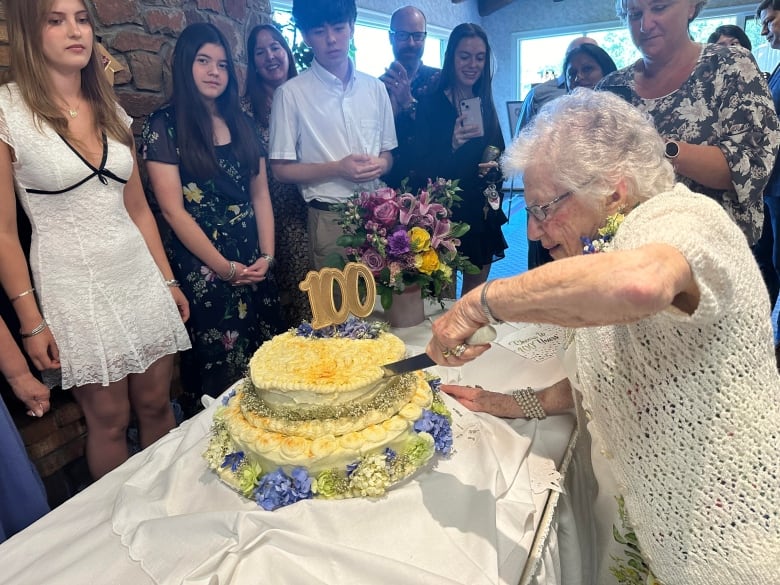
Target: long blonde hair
29	70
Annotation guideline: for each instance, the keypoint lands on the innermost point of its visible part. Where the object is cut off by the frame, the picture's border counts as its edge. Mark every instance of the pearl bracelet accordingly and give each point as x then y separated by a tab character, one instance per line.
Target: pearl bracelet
35	331
529	402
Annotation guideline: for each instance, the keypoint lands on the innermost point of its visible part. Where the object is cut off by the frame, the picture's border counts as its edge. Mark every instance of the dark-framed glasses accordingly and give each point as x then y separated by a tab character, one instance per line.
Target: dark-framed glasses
540	211
403	35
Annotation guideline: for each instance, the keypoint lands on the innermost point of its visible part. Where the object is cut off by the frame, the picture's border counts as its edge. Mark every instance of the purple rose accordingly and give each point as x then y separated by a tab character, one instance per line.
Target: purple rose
373	260
386	213
398	243
385	194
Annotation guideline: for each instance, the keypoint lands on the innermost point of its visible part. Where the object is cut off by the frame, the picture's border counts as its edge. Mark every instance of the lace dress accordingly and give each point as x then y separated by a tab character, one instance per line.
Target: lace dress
98	287
227	323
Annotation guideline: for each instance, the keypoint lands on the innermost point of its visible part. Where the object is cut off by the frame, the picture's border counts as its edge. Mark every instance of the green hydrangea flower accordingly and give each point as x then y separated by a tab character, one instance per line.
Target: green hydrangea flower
419	449
329	485
248	477
440	408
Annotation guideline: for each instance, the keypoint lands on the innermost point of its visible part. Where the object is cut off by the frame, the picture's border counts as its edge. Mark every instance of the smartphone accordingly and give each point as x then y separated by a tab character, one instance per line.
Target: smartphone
471	110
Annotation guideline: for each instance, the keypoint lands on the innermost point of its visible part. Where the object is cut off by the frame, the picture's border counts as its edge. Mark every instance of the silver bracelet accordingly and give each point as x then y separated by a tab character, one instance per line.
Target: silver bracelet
172	283
529	402
231	273
485	307
35	331
270	259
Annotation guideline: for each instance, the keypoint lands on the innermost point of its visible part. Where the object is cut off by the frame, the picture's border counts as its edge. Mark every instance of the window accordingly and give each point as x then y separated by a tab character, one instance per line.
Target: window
371	46
542	58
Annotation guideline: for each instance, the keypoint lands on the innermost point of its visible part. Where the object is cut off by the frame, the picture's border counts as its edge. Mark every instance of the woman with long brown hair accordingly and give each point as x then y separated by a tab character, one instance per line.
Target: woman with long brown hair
102	315
271	63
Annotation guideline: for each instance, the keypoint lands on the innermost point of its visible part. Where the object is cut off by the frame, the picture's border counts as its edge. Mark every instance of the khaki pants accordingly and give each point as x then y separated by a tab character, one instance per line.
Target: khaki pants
323	233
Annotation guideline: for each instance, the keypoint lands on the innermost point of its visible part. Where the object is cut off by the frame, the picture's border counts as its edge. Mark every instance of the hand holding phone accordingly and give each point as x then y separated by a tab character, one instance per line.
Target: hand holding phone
471	113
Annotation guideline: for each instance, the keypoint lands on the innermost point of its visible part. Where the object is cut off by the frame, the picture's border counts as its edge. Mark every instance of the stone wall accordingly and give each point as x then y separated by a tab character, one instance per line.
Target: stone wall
141	35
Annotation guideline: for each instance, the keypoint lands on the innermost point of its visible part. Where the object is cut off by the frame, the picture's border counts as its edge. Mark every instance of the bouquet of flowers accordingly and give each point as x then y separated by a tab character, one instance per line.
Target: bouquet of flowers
406	239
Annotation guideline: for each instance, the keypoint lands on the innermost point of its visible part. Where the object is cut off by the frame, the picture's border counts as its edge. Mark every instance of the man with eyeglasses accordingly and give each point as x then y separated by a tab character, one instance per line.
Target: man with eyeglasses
407	80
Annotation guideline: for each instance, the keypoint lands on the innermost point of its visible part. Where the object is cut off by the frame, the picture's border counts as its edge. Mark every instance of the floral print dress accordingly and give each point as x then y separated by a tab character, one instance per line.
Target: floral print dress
725	103
227	323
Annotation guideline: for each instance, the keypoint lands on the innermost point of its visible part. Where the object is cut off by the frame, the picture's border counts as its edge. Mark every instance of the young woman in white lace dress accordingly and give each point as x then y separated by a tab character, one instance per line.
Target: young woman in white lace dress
98	317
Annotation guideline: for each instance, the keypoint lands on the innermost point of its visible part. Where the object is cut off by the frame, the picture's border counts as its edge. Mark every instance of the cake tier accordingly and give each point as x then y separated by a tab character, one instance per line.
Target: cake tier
295	372
318	421
329	443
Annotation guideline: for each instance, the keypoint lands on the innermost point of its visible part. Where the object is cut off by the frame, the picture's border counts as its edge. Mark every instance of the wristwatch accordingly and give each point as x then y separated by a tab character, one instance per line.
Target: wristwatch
672	150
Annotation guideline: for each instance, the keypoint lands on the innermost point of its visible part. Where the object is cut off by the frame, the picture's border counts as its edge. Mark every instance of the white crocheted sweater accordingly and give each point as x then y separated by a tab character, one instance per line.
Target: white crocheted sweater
689	406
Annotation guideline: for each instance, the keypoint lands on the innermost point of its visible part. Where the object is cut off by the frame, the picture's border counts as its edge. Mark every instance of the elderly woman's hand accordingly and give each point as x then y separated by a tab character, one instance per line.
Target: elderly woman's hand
448	345
481	400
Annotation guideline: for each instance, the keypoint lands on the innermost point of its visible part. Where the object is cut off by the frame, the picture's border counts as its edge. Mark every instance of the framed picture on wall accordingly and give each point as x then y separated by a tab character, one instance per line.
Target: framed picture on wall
513	112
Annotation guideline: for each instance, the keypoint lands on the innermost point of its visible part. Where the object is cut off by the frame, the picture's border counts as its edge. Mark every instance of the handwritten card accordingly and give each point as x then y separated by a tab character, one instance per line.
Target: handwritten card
535	341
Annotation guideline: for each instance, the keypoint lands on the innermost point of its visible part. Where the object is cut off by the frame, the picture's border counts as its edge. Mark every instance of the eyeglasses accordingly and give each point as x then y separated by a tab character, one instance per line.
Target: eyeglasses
540	211
403	36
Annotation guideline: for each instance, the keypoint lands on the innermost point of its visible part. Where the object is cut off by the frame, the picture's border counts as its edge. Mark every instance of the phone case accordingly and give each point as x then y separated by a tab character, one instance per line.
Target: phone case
471	110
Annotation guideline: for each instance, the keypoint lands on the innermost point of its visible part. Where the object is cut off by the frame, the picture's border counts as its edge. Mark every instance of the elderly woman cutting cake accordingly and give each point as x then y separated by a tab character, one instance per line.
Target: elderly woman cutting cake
672	349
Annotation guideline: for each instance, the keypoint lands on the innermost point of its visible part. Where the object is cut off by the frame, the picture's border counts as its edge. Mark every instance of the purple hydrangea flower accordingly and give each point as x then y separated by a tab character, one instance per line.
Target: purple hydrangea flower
304	329
438	427
233	460
226	398
278	489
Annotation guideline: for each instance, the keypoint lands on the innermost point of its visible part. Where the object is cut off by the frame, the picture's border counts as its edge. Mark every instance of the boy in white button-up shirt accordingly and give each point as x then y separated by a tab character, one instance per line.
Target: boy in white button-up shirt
332	128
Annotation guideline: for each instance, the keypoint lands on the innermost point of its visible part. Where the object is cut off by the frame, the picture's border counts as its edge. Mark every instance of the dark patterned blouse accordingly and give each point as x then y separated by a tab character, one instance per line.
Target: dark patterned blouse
725	103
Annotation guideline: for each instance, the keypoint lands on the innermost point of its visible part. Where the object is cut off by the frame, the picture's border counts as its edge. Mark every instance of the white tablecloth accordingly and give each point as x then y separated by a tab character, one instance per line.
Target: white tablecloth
162	517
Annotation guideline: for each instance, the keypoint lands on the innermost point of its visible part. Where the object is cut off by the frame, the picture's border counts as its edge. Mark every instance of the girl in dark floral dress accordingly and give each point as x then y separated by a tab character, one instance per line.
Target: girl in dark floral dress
271	63
209	178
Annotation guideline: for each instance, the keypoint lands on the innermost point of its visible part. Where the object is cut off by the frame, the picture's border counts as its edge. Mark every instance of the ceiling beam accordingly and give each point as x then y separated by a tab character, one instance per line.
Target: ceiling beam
490	6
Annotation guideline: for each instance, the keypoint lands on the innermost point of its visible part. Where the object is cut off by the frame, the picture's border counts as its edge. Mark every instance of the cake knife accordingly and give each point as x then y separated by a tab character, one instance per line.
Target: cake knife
484	334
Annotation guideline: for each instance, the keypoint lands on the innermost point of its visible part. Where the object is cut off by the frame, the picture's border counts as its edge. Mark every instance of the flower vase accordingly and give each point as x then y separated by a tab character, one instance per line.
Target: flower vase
407	309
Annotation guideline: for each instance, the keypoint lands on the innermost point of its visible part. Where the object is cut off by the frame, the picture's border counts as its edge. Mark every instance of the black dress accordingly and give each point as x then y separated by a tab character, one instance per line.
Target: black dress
227	323
434	158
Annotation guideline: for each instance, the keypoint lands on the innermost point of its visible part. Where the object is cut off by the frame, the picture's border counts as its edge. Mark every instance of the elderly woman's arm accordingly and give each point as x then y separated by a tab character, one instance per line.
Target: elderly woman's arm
599	289
554	399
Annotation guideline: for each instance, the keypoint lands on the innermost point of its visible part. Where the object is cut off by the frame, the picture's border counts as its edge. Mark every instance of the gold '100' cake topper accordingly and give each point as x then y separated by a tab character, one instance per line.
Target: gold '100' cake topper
319	287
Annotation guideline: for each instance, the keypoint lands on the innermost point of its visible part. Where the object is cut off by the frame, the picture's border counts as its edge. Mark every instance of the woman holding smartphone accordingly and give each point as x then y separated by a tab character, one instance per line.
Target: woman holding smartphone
455	126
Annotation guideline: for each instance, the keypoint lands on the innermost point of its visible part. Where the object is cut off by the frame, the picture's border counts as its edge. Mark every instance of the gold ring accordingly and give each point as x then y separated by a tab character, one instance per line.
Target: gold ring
446	352
458	350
